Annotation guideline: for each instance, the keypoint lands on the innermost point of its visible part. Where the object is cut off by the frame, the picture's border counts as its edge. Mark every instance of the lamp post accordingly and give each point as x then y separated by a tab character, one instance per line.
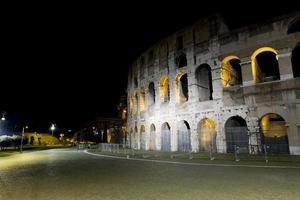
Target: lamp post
52	128
23	131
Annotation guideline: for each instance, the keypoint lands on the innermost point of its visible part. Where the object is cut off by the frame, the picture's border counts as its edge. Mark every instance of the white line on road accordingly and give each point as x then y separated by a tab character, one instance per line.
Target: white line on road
193	164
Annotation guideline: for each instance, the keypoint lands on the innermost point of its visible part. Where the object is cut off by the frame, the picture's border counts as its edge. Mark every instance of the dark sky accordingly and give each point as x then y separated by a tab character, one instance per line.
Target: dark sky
67	64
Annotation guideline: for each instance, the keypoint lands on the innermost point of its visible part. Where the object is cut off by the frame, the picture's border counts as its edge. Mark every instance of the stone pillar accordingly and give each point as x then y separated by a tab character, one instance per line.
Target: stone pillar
285	64
246	71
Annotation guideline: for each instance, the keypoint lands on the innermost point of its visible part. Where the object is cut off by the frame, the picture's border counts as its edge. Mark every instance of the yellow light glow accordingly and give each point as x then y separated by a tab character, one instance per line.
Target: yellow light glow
207	132
254	65
142	99
177	78
164	88
275	128
227	71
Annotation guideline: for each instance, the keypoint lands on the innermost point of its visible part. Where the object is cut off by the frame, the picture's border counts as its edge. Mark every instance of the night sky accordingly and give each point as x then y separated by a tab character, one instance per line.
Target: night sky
67	64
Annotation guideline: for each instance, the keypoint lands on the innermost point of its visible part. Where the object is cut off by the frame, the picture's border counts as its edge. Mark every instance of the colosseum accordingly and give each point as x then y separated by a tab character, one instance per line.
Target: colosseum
209	88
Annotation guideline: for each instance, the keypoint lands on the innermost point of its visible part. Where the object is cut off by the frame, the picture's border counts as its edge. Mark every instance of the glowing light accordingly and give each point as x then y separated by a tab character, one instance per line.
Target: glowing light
227	71
254	65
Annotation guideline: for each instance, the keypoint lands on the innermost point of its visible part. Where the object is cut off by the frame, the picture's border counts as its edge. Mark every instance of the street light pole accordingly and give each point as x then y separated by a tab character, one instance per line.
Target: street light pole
52	128
23	131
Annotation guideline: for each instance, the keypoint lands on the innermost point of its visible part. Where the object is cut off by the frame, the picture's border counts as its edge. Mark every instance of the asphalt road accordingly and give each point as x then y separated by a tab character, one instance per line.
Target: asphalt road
64	174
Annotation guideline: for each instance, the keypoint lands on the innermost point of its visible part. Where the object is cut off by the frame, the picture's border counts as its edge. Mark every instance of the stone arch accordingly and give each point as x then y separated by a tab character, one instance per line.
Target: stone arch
152	137
236	133
151	99
181	60
265	65
207	135
204	82
231	71
294	26
182	87
274	133
296	60
164	89
135	138
184	136
165	137
142	99
131	138
135	103
142	138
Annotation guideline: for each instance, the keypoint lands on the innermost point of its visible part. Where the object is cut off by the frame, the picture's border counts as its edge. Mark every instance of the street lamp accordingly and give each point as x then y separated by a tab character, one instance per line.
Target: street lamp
3	116
52	128
23	130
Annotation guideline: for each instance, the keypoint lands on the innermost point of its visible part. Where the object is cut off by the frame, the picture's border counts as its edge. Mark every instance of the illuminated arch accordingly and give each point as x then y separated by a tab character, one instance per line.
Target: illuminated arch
207	134
142	138
182	91
231	73
152	137
265	73
164	89
274	133
142	99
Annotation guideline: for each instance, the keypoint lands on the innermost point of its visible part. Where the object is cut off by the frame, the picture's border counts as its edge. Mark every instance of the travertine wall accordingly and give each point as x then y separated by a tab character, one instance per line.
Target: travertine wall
208	42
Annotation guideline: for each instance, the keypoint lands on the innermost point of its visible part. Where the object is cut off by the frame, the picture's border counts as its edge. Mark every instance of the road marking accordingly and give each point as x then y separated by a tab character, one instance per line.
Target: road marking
193	164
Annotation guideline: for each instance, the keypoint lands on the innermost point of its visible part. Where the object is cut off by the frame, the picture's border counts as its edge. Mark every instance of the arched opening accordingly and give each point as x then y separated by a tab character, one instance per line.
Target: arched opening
131	138
184	136
135	101
142	99
296	60
294	26
207	135
181	60
165	137
236	135
164	89
265	66
274	133
135	138
131	104
231	71
204	82
182	87
151	94
142	138
152	137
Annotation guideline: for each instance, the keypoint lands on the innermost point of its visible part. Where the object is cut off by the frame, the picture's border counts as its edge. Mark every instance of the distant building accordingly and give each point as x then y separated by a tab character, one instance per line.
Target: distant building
101	130
41	139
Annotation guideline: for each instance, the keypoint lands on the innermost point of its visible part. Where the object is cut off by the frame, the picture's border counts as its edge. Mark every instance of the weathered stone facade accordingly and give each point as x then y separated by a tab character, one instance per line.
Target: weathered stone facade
192	87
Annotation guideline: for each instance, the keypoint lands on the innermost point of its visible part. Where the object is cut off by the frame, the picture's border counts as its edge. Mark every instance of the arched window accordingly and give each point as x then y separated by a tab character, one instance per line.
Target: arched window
181	60
204	82
152	137
296	60
164	89
165	137
274	133
142	138
184	136
231	71
135	103
182	87
294	26
265	65
236	135
207	135
151	94
142	99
